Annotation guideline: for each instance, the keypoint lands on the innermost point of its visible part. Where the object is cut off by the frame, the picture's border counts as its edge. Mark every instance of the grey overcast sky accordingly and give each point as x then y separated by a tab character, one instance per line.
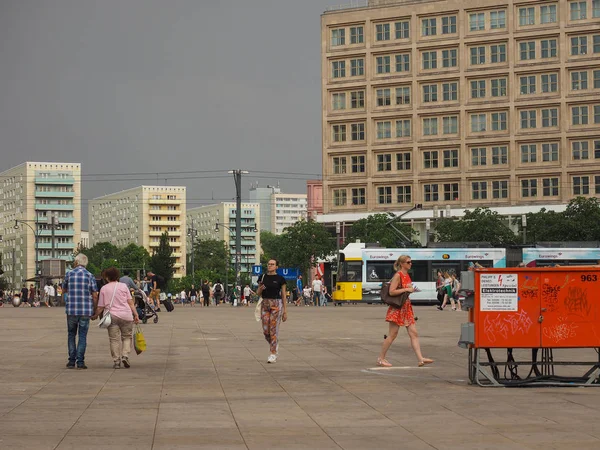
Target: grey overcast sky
126	86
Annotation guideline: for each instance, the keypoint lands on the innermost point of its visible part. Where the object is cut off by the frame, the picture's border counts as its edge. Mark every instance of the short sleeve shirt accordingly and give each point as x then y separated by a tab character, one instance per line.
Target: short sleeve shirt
80	285
120	303
273	285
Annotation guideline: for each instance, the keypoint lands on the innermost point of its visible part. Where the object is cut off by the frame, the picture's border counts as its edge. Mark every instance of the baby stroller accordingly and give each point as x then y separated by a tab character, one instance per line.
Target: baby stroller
144	309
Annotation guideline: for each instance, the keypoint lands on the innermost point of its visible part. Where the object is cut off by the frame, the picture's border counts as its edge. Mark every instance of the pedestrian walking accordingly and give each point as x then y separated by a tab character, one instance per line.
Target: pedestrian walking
401	317
247	293
24	296
80	303
317	285
48	294
193	294
115	297
205	288
447	289
218	292
183	296
272	288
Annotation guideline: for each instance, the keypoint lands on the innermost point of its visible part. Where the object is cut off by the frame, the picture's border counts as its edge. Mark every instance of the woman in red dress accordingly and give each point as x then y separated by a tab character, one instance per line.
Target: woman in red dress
401	317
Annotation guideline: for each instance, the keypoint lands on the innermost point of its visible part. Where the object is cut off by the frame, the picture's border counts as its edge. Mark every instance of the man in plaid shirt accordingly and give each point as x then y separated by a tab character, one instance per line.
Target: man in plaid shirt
81	298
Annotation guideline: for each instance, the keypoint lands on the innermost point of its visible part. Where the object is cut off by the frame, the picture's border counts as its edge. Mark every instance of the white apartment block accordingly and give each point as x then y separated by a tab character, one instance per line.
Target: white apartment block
286	210
203	220
140	216
32	193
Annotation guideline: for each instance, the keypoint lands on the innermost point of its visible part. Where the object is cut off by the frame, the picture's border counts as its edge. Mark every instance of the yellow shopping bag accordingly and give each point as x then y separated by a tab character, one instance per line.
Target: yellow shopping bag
139	342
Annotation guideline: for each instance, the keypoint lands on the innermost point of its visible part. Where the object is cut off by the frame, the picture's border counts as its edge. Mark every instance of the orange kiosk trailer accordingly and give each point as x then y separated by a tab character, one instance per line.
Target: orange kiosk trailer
537	309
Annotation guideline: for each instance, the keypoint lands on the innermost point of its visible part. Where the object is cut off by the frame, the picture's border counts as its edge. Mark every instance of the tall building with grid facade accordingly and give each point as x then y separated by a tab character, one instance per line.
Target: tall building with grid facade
456	104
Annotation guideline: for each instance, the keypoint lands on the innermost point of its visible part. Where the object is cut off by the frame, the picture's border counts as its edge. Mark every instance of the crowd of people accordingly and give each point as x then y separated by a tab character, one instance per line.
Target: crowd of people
33	297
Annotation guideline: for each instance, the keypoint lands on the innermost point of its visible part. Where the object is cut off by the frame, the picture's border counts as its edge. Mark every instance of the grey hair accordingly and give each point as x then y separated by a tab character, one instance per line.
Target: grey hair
81	260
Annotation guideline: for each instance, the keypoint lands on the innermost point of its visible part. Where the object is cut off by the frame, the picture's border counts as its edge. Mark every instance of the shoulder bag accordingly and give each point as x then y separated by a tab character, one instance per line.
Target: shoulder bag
106	319
396	301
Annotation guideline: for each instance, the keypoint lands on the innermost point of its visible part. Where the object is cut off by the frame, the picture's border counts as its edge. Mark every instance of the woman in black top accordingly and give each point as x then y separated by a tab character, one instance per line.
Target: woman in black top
272	289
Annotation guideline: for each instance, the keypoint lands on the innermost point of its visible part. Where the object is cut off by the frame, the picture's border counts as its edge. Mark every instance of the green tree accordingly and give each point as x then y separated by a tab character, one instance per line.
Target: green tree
272	246
133	257
377	228
479	225
544	226
162	262
101	252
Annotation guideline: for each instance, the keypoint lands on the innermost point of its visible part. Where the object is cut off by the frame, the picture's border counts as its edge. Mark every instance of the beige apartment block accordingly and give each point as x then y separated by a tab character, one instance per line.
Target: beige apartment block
286	210
456	104
140	216
202	222
32	193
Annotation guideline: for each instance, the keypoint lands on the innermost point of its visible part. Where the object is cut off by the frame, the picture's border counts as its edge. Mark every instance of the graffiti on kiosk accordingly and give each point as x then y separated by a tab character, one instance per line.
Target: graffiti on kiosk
505	324
576	301
561	331
550	296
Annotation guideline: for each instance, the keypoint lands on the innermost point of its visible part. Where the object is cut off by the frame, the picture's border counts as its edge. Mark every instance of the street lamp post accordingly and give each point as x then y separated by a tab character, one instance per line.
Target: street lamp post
192	232
524	225
427	230
36	235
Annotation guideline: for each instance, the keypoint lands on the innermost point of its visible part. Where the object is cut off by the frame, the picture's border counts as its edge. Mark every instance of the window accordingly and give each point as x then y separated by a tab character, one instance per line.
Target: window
527	50
595	8
339	197
596	114
357	67
357	35
548	14
526	16
581	185
529	188
549	48
338	100
527	84
358	196
358	164
403	128
339	165
550	152
479	190
579	115
450	124
498	53
500	189
497	19
382	32
578	10
549	117
477	55
450	191
449	58
429	93
499	121
450	92
339	133
479	156
428	27
403	62
403	161
402	29
384	130
450	158
476	21
384	97
429	60
404	194
580	150
430	126
550	187
478	123
528	153
478	89
357	131
430	159
338	69
449	25
338	37
384	162
403	95
431	192
578	45
383	64
596	43
528	119
384	195
549	82
579	80
499	87
499	155
596	79
357	99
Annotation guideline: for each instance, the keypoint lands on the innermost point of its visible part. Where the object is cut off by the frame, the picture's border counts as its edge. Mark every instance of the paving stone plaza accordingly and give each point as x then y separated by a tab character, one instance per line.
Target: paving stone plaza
204	384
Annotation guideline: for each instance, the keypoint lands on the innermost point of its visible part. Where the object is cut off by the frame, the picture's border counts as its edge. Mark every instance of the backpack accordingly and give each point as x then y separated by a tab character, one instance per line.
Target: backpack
218	287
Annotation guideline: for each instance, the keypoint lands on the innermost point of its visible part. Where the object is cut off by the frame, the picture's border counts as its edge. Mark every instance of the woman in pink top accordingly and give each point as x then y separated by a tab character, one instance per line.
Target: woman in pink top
123	315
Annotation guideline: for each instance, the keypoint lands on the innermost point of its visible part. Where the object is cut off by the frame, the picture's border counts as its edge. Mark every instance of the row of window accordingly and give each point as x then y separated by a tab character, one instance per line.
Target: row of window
480	157
445	25
530	188
478	55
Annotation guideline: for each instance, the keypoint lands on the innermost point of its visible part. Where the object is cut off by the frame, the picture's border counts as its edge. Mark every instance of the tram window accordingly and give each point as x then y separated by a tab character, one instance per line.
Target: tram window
419	271
351	271
379	271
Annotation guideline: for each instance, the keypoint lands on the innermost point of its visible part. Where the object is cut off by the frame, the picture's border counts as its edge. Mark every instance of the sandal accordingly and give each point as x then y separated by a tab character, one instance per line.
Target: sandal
383	363
425	362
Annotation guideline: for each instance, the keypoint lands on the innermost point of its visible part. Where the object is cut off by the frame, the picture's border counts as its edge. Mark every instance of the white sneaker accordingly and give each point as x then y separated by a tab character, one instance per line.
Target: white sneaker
272	359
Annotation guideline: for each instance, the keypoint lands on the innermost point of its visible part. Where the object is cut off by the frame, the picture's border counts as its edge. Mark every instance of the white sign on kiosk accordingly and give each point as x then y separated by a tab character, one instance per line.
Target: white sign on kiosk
499	292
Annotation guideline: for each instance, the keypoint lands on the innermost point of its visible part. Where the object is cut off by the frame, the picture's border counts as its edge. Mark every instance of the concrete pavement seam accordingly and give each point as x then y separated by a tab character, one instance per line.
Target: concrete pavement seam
162	386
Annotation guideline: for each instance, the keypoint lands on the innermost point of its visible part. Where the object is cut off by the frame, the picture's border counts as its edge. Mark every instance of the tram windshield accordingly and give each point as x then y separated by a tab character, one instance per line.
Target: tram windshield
350	271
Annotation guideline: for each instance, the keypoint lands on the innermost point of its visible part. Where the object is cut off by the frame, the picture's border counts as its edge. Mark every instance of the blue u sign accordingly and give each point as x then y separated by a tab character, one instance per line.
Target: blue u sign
256	270
288	273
